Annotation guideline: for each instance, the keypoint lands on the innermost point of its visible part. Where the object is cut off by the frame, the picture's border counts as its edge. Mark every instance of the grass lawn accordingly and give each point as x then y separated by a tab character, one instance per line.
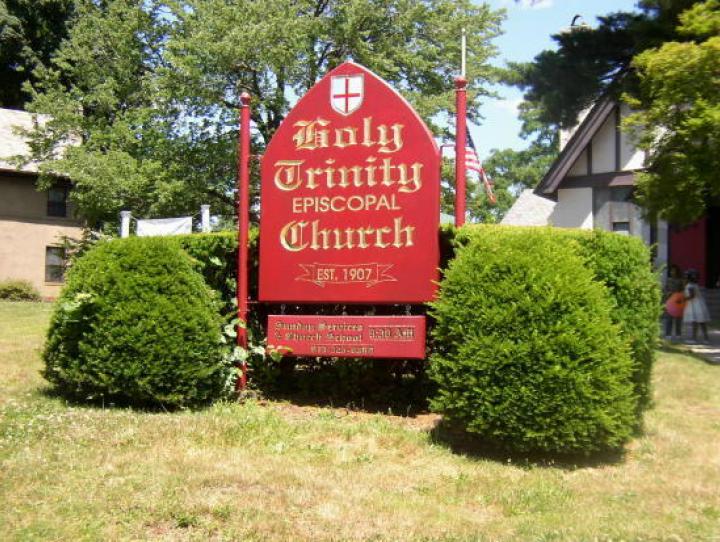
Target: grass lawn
278	471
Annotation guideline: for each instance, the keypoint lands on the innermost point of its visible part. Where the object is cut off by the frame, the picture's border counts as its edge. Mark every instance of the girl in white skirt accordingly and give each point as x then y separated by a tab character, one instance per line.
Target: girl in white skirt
696	311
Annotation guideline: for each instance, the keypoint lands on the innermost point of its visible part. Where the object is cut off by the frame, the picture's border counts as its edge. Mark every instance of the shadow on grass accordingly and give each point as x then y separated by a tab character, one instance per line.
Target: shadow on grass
398	398
671	348
461	442
396	388
379	389
109	403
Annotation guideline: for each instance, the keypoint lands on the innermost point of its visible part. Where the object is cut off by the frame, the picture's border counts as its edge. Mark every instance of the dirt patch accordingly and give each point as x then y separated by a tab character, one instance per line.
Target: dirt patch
425	421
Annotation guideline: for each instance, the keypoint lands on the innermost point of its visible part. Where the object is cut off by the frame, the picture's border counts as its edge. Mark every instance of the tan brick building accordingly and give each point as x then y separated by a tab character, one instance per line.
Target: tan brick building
32	222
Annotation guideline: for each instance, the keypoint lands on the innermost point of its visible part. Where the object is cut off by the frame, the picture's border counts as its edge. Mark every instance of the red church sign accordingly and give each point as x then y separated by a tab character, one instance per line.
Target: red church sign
350	197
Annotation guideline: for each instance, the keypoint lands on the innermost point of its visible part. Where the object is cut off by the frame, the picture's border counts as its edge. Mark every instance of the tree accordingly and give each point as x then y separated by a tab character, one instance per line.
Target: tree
30	32
678	118
154	86
650	59
99	90
591	61
512	171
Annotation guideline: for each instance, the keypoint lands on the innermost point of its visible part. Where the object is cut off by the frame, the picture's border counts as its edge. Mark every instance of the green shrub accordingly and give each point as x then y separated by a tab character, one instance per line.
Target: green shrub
215	258
136	324
623	265
526	354
18	290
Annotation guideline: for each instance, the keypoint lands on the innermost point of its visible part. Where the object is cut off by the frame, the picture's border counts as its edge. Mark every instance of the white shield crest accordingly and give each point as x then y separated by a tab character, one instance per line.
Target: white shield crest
346	93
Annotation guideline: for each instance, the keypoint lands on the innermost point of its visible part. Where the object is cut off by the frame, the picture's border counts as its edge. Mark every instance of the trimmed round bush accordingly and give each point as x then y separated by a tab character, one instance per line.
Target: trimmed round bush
18	290
623	264
136	324
526	354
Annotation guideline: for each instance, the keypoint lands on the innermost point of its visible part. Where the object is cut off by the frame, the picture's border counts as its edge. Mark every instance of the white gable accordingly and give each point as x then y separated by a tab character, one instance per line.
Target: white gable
603	155
630	156
604	147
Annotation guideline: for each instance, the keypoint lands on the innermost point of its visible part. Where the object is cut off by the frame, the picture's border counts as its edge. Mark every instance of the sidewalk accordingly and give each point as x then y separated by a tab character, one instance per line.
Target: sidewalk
711	352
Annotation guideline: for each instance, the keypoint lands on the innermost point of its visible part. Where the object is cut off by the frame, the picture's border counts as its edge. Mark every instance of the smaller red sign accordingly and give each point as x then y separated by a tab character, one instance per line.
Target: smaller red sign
348	336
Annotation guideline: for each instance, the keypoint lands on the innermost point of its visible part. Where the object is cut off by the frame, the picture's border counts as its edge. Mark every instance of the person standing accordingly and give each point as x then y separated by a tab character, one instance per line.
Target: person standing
696	311
674	303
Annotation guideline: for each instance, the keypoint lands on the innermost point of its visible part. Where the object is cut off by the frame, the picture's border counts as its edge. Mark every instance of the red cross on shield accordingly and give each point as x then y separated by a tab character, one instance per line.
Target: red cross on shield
346	93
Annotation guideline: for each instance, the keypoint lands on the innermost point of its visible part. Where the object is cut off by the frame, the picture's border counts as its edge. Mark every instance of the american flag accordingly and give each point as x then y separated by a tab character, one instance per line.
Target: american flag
472	162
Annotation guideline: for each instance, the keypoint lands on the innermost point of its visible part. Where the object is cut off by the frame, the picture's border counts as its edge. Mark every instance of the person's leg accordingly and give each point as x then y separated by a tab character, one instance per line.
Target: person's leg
703	326
694	331
668	324
678	327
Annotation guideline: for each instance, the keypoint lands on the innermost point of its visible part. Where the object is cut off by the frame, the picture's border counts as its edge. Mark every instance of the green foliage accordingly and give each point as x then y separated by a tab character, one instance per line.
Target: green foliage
623	265
663	61
99	89
512	171
30	32
136	324
526	352
152	87
288	45
18	290
589	61
678	118
215	258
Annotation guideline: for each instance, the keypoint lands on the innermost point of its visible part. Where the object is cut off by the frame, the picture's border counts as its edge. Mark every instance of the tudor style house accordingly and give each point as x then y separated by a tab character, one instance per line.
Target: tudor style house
32	223
590	185
593	177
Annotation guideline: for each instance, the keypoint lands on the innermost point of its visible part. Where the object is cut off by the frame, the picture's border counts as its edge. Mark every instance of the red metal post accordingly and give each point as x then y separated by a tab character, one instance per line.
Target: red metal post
243	204
460	139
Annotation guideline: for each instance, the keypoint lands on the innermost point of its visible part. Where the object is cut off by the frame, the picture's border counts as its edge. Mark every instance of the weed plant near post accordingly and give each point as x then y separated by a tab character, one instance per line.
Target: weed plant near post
136	324
526	354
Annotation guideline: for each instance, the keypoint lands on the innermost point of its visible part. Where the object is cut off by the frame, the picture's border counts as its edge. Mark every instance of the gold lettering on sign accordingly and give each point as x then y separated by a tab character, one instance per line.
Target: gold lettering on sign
309	137
291	236
344	176
287	176
345	137
299	235
407	184
315	134
290	175
340	204
382	133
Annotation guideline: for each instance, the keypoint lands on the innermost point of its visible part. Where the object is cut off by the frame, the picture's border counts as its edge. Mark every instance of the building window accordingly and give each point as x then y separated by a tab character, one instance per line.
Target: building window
54	264
620	194
57	201
623	228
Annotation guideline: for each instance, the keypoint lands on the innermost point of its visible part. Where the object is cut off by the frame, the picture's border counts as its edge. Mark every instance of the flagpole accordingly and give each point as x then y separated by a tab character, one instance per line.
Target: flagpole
243	203
460	138
463	55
